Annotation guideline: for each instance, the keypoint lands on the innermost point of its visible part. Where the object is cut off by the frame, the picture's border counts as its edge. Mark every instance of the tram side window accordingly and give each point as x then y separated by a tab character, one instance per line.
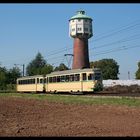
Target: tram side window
29	81
58	79
62	79
41	80
71	78
50	79
90	76
19	82
67	78
33	81
38	80
24	81
53	79
84	76
77	77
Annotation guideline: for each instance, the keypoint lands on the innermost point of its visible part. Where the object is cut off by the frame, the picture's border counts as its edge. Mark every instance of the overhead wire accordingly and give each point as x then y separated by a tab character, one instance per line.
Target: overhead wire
103	36
116	49
129	26
130	38
110	34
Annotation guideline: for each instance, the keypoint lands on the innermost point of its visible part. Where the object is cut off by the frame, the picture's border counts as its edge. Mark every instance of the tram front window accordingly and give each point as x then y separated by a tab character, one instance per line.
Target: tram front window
97	76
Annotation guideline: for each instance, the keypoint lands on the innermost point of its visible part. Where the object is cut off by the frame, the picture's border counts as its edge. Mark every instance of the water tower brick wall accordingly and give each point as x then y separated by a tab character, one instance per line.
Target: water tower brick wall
81	56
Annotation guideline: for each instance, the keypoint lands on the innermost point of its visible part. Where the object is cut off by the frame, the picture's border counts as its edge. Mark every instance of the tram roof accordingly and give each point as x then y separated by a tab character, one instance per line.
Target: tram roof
26	77
65	72
72	71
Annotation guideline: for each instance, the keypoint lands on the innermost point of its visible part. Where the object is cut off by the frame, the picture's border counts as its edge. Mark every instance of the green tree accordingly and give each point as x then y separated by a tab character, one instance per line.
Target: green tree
109	68
3	78
137	74
38	66
12	75
61	67
47	69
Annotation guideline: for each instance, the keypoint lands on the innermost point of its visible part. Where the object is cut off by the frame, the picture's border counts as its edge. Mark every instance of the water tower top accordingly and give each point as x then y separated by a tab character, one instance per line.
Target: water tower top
80	26
80	15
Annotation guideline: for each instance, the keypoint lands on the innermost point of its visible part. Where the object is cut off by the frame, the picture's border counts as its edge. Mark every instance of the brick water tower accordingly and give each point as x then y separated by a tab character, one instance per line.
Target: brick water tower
80	28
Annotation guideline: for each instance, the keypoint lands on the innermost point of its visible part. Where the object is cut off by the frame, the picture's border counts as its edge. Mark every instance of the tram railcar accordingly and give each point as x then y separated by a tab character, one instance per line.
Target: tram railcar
72	81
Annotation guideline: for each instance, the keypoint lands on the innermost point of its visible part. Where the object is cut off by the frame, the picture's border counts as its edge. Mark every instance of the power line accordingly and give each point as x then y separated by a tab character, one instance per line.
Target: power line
134	22
131	26
104	45
118	41
99	38
115	32
117	49
122	48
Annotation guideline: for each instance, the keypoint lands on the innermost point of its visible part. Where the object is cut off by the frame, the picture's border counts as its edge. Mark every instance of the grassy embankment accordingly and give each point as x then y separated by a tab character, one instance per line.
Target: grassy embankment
77	99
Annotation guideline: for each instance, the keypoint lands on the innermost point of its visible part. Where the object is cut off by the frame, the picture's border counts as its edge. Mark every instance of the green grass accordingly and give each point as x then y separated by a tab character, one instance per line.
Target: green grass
77	99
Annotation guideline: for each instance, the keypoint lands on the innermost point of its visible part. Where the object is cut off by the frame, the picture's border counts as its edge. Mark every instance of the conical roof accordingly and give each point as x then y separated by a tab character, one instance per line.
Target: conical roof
80	15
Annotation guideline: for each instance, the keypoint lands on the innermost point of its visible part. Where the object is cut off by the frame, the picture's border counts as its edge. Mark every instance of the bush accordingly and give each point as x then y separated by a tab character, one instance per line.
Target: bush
123	89
9	88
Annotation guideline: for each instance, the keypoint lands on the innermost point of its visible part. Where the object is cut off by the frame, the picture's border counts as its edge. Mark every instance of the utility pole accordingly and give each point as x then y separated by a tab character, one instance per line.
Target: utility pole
23	65
128	75
23	69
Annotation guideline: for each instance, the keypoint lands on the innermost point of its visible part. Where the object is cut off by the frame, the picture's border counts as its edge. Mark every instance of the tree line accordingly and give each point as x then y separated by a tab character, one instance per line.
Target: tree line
38	66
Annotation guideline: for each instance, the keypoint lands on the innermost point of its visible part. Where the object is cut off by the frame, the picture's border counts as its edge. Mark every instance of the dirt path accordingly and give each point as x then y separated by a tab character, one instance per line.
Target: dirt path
30	117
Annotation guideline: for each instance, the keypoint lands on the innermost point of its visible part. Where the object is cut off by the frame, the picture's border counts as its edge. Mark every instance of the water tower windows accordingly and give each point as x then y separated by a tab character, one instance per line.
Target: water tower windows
79	29
79	20
86	29
73	29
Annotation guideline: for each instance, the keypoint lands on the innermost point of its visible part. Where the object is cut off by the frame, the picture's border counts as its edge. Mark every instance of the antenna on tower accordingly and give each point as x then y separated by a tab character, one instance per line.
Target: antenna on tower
68	58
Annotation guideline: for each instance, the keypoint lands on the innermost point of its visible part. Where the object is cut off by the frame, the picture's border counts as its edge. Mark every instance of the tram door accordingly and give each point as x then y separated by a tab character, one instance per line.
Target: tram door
83	82
87	82
39	85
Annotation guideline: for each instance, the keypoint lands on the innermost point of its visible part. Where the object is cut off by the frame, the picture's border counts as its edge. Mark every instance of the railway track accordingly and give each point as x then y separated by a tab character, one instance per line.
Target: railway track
105	94
100	94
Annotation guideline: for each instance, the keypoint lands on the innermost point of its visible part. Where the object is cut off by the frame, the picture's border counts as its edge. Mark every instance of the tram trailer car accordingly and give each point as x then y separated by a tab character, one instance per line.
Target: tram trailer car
72	81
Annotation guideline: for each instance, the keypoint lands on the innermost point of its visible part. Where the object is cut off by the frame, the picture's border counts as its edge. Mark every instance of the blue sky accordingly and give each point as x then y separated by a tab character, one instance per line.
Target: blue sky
26	29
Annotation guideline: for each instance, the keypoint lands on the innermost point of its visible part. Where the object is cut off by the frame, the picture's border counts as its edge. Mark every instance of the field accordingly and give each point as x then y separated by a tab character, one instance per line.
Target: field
68	115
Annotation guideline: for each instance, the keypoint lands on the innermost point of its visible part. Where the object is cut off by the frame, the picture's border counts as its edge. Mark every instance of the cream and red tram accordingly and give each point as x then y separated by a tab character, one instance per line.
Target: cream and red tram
76	80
